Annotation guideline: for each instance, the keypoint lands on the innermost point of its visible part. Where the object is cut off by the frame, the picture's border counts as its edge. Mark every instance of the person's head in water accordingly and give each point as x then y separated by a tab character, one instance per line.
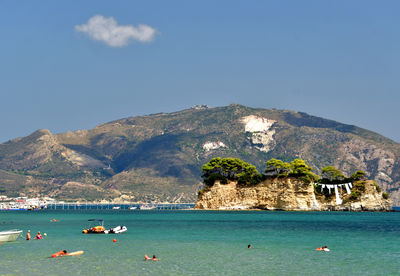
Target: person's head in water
154	257
249	246
65	251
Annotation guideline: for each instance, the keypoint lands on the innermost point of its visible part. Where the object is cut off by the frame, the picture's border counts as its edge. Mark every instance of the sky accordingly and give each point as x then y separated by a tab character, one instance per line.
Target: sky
69	65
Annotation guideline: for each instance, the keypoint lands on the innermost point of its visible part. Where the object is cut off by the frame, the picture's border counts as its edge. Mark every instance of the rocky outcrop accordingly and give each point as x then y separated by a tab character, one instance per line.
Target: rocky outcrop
378	163
290	194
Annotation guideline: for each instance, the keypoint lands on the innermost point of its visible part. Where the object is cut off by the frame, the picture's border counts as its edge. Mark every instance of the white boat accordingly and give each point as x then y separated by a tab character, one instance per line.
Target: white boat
132	208
116	230
100	229
10	235
147	207
116	208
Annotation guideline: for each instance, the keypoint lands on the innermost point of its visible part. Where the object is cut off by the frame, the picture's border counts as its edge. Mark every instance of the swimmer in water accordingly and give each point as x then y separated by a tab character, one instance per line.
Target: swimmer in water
38	236
147	258
323	248
60	253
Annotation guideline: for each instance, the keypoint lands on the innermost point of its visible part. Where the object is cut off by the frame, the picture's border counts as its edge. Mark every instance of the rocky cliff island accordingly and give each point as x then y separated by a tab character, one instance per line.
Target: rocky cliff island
230	185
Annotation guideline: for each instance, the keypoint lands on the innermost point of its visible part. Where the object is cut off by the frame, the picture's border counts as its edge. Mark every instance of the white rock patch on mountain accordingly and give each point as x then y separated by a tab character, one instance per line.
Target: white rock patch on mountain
261	130
213	145
81	159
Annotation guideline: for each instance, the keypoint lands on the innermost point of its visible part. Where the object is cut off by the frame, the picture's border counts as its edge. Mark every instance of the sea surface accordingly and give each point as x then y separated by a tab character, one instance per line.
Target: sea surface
190	242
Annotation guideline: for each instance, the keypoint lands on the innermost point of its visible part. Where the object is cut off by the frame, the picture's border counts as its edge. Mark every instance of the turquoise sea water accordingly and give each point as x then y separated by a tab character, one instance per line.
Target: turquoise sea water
205	243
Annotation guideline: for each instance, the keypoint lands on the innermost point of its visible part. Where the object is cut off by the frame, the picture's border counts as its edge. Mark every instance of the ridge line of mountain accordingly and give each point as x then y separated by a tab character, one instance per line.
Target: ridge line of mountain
159	156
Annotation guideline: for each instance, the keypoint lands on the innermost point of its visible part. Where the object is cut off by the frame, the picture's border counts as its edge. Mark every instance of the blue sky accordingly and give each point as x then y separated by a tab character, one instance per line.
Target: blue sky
61	71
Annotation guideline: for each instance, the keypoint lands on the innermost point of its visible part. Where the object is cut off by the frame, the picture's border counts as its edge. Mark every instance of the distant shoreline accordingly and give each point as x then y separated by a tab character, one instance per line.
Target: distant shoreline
179	206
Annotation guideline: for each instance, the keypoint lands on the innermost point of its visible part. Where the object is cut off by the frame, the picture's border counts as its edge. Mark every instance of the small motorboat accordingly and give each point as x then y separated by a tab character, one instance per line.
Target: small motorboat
116	207
116	230
98	229
10	235
132	208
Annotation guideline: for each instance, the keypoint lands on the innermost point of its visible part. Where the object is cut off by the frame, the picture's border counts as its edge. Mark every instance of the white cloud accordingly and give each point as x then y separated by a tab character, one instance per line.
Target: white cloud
108	31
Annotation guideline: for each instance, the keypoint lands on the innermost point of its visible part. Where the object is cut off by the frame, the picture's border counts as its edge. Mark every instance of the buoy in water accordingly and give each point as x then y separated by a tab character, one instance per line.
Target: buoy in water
114	240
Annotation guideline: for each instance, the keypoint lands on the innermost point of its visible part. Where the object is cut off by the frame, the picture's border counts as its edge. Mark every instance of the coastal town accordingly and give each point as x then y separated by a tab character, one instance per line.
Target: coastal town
24	203
47	203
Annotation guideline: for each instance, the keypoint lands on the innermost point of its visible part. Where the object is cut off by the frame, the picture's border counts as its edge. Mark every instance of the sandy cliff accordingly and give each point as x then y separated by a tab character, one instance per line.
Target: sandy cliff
287	194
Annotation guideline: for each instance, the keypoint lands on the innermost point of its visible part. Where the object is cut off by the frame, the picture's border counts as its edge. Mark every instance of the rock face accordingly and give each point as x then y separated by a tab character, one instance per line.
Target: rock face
288	194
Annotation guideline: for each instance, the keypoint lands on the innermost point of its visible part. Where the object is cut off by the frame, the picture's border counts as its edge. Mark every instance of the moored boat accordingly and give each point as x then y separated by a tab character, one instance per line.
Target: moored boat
10	235
116	230
147	207
100	229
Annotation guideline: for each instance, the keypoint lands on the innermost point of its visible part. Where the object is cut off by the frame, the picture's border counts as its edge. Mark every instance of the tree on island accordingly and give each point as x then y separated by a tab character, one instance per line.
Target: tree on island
358	175
330	174
235	169
224	169
301	170
299	167
276	167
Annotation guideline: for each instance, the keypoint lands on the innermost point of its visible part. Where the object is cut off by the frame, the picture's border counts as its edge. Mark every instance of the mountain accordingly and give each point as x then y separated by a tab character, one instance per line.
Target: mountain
158	157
